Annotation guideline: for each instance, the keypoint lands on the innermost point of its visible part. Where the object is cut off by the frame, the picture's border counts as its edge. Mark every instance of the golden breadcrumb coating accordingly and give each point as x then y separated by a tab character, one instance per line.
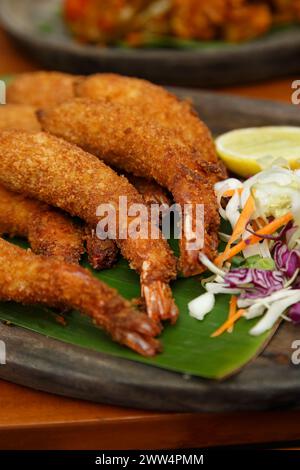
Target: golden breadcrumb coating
49	231
119	136
101	254
63	175
30	279
151	102
19	117
40	88
152	192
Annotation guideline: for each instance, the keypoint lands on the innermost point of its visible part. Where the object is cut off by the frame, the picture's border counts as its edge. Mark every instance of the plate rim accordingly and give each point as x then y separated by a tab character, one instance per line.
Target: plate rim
40	362
267	43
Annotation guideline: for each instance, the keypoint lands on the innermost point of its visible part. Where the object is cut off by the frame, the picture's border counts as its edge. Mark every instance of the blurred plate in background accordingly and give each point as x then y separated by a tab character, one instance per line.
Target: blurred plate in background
69	368
38	26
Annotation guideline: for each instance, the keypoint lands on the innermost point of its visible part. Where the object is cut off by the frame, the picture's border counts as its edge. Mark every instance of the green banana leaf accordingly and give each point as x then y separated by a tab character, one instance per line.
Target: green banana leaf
188	347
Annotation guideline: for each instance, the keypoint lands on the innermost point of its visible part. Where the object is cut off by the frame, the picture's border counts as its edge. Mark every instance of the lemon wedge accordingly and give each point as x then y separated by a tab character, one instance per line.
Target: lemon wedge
248	151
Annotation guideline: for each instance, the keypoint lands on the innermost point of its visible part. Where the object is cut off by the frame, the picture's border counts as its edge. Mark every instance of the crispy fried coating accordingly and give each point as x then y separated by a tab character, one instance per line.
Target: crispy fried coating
44	89
117	135
63	175
40	88
152	192
19	117
102	254
49	231
152	102
30	279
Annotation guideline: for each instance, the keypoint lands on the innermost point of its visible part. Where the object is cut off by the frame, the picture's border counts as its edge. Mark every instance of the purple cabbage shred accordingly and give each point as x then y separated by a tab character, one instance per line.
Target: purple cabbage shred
287	261
256	283
294	313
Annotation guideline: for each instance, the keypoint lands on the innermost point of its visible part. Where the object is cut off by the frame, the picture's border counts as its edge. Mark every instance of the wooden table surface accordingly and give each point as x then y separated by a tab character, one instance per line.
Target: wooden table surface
36	420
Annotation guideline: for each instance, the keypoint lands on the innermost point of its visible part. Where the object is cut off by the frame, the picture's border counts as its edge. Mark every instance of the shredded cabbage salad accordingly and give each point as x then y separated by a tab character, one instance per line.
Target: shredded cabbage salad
260	265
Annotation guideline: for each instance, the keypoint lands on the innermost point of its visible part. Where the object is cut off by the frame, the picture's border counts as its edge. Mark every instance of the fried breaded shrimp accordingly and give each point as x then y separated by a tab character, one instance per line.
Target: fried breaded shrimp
40	88
152	102
152	192
20	117
102	254
31	279
52	233
49	232
63	175
117	135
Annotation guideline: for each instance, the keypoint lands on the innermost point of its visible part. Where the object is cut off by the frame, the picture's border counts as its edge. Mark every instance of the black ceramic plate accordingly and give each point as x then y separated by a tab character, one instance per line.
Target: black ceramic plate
37	25
271	381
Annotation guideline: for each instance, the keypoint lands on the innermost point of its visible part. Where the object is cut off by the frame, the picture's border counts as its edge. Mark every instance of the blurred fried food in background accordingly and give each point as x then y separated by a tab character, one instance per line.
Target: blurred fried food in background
107	21
233	20
136	22
285	11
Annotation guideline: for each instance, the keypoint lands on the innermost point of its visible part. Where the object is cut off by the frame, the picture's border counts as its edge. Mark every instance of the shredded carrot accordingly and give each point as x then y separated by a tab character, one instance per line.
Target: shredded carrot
229	322
231	192
232	310
243	219
267	230
261	221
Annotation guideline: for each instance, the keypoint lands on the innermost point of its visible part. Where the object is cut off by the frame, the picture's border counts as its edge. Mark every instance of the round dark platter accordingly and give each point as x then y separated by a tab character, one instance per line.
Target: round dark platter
271	381
37	26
